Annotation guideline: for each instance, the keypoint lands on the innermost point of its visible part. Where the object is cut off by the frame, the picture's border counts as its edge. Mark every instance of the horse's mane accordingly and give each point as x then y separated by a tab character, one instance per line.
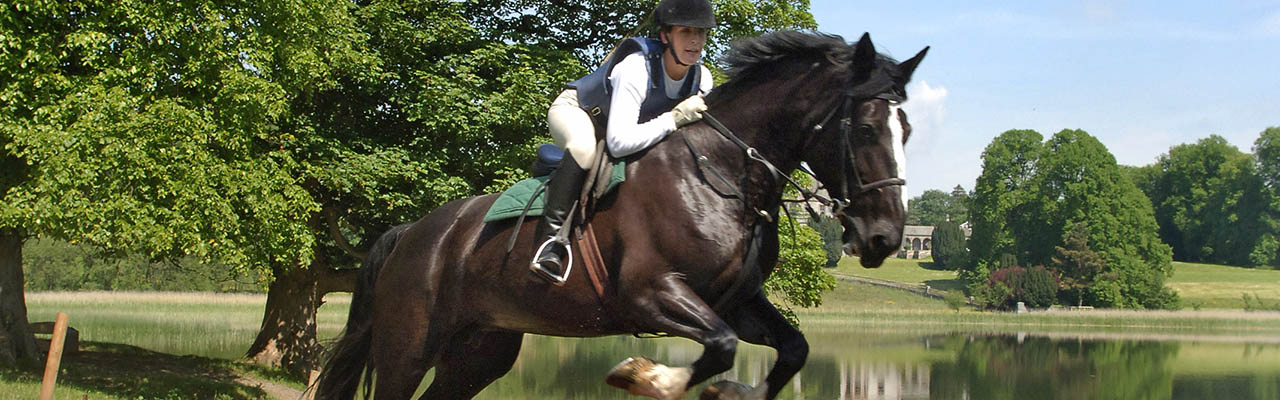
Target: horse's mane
754	57
747	55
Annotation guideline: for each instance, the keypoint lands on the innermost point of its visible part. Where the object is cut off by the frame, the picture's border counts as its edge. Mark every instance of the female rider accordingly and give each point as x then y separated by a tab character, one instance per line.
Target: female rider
644	91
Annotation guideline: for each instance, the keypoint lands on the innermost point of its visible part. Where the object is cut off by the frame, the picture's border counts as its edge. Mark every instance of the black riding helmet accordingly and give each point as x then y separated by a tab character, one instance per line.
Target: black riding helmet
694	13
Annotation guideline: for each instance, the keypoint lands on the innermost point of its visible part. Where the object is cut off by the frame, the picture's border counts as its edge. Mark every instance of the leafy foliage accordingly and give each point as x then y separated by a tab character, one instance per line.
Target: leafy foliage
799	279
1030	194
934	207
830	230
1078	265
1008	164
1034	287
590	29
1266	155
60	266
1211	203
949	245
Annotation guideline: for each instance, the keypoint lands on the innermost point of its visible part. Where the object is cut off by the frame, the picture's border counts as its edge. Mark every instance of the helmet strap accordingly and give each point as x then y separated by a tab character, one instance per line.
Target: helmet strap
671	48
675	57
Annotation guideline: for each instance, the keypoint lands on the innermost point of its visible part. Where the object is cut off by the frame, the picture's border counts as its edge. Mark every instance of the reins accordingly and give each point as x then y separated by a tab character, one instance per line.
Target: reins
735	191
837	204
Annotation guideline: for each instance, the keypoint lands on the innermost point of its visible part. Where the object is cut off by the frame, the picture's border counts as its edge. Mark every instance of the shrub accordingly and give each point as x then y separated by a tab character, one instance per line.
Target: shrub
1039	287
949	249
954	299
830	230
1035	287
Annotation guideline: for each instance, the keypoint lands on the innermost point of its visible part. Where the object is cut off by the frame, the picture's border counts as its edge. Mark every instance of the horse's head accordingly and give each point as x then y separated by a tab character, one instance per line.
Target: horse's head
856	150
814	98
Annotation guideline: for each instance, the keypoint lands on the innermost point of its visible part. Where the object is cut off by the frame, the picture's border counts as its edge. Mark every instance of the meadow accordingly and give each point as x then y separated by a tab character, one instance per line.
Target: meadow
1201	286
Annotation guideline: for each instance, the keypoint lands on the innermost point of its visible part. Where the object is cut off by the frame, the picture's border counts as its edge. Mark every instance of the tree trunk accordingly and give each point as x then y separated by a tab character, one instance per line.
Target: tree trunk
287	338
17	344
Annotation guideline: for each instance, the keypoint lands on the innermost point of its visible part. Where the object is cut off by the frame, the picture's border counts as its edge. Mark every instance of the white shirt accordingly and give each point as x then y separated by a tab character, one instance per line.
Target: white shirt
626	134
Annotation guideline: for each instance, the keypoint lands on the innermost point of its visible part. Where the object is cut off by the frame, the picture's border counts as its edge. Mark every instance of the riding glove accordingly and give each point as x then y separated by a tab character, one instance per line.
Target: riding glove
688	111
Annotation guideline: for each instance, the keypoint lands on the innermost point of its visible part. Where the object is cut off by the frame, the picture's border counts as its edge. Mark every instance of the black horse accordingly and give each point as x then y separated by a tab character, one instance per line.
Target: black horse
693	226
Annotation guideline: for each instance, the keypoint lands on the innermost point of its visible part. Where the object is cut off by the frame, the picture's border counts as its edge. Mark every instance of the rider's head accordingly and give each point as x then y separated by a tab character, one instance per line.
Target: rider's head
684	26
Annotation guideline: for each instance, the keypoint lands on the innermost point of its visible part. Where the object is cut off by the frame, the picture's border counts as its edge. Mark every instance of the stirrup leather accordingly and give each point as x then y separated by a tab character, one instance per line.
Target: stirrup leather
537	268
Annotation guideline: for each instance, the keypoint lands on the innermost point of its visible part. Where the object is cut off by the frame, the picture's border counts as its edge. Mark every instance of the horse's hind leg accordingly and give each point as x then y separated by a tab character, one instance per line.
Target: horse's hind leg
471	360
405	345
758	321
676	310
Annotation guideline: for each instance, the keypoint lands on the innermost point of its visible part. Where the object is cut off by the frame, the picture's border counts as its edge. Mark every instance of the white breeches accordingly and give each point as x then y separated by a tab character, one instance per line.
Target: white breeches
571	127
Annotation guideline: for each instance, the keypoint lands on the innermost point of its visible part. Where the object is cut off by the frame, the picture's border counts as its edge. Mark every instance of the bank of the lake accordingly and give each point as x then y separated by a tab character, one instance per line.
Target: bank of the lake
185	345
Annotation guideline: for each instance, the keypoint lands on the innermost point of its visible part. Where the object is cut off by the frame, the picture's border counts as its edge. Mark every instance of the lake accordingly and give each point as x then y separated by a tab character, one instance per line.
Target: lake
884	365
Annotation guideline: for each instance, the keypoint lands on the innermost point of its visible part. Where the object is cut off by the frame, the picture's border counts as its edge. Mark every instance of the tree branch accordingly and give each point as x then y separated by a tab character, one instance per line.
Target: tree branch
331	218
330	280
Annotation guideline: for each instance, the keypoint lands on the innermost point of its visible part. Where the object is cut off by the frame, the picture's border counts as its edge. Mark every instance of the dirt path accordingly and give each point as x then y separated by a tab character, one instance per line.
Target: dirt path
274	390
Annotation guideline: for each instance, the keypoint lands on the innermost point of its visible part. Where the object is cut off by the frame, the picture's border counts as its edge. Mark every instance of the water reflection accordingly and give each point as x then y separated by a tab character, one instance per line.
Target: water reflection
861	365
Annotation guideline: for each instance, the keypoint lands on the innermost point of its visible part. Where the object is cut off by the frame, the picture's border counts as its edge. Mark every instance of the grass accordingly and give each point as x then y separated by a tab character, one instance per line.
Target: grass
870	306
1221	286
177	345
1203	286
189	323
904	270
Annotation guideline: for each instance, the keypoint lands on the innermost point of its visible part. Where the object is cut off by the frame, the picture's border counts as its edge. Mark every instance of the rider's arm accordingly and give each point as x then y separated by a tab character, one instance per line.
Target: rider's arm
625	133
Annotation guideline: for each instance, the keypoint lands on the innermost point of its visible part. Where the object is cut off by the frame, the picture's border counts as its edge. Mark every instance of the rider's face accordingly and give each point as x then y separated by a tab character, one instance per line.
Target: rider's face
687	42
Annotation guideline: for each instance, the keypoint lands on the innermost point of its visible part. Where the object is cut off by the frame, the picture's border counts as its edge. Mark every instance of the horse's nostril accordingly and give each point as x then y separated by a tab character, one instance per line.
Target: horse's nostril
880	242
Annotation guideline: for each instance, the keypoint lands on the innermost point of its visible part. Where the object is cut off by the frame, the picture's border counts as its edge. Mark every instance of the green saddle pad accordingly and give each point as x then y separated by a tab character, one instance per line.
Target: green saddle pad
512	201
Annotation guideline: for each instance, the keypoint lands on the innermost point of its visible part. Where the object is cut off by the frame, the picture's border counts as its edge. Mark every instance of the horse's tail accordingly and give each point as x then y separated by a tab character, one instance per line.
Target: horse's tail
349	357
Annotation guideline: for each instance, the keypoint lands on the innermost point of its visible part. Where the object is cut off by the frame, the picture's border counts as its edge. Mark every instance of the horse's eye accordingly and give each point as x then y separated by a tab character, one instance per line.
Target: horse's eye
864	133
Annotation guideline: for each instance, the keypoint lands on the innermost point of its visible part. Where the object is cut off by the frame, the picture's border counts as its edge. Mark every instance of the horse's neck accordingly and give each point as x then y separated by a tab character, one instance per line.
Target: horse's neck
761	189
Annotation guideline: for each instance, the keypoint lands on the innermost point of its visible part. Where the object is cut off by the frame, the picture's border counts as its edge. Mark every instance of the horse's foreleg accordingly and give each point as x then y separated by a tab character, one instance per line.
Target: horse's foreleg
471	361
757	321
676	310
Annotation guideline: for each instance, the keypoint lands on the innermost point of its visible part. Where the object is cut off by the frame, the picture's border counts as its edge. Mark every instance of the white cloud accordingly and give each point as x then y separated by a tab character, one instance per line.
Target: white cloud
1270	26
926	109
1098	10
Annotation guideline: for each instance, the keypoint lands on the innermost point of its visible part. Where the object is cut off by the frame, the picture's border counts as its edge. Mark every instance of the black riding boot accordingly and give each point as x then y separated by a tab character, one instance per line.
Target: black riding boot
562	193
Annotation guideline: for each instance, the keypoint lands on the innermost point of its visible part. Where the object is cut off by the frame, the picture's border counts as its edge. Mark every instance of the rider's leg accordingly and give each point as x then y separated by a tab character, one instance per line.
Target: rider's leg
572	129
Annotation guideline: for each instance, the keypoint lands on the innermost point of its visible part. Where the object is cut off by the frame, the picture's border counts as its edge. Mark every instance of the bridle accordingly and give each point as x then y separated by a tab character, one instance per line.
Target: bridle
848	190
847	194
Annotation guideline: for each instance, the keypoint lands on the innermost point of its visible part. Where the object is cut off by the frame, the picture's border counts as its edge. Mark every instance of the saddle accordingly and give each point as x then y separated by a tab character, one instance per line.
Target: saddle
527	198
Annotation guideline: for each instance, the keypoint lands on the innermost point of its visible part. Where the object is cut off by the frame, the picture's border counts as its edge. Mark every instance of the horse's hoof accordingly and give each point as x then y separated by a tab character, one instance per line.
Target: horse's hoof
642	377
730	390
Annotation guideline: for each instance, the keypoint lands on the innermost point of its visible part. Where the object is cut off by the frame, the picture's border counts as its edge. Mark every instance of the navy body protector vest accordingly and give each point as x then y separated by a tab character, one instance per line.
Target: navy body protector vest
595	91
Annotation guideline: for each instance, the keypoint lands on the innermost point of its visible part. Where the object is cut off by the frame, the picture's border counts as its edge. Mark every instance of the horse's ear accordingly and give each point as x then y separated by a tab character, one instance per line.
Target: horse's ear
864	53
909	66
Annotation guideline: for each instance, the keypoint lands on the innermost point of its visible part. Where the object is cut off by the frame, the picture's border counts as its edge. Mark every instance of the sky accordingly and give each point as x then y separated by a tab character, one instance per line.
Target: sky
1141	76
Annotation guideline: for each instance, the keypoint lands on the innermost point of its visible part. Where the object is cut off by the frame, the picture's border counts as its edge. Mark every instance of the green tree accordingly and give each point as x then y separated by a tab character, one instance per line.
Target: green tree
949	247
830	230
935	206
149	128
1210	202
1078	265
1266	155
799	279
1008	164
589	30
278	138
1073	179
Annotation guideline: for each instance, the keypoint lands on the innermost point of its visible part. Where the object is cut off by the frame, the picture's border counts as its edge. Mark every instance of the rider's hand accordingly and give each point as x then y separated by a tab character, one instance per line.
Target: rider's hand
688	111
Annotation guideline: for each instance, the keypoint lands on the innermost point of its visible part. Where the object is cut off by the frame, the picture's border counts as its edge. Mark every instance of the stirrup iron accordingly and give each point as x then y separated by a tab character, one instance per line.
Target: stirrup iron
537	268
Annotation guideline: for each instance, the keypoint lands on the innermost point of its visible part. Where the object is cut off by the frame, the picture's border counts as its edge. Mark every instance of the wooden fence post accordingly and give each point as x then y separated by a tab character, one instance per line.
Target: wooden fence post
54	360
